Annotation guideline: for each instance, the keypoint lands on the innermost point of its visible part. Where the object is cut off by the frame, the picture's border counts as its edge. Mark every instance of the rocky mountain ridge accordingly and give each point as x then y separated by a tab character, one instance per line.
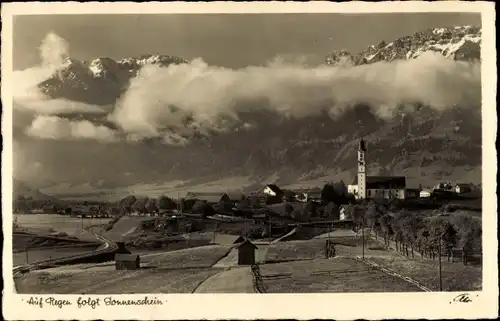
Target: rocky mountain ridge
458	42
100	81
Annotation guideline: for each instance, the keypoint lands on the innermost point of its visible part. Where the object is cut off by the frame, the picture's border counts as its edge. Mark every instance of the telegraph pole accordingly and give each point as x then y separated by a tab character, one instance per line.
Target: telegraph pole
440	268
178	204
215	228
363	237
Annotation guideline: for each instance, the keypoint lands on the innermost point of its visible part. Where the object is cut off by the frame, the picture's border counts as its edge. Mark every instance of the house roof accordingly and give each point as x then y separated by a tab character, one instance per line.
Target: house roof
246	242
235	195
126	257
240	239
274	188
207	197
463	185
383	182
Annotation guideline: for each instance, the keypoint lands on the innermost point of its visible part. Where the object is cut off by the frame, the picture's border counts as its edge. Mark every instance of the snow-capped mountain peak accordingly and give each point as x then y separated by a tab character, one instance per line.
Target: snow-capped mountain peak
458	42
99	81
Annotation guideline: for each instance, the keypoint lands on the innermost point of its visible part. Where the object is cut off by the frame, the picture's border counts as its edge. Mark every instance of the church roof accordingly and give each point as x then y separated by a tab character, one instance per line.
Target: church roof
383	182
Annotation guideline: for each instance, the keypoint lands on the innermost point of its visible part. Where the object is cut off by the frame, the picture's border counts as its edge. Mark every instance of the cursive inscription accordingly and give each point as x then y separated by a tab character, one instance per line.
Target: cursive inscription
92	302
49	301
462	298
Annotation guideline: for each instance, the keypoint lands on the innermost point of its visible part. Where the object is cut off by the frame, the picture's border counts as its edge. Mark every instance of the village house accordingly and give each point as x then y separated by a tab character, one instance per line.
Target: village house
462	188
308	194
217	197
273	190
425	193
412	193
210	198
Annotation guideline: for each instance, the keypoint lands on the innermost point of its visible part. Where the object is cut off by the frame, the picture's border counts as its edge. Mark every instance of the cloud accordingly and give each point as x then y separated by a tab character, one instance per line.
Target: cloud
52	127
24	167
178	102
212	97
58	106
53	50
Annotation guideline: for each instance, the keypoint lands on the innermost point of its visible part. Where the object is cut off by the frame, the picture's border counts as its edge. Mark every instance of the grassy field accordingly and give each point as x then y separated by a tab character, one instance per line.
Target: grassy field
20	258
329	275
199	257
315	248
46	223
114	282
456	277
166	272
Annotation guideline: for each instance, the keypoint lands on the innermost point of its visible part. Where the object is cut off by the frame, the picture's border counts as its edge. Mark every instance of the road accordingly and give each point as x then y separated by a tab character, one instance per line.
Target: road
233	280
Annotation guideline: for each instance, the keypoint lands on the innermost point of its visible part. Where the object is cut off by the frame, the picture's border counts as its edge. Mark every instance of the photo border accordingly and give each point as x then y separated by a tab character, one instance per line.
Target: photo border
270	306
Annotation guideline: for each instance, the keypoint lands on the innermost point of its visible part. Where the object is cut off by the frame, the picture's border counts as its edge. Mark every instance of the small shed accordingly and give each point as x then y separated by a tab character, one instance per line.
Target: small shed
127	261
246	253
121	248
239	240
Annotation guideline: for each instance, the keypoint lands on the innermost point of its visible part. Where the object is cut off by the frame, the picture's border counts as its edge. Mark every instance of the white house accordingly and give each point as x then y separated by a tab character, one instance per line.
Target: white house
272	190
343	214
462	188
425	193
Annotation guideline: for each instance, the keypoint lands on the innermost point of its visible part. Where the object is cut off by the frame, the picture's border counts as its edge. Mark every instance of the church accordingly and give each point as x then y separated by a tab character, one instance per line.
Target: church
364	186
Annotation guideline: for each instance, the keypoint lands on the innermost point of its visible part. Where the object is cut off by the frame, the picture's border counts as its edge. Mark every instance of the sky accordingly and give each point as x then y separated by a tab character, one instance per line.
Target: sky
226	40
59	140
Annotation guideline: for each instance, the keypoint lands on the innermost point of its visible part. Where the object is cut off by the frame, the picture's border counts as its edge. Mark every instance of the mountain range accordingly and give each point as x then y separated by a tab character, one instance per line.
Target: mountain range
427	145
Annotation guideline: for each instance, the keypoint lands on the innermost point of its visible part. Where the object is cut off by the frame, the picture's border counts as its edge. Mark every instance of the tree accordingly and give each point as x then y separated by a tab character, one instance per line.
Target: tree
386	227
203	208
296	215
371	214
469	235
289	196
341	194
442	234
288	209
127	202
151	205
307	210
332	211
423	245
140	205
166	203
412	224
328	194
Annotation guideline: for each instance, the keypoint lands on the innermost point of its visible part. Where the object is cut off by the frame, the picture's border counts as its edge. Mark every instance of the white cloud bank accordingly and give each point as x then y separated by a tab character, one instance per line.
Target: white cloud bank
172	103
53	127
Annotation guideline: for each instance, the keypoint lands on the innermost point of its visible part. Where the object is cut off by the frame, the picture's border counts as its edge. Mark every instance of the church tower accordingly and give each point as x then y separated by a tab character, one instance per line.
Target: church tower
361	170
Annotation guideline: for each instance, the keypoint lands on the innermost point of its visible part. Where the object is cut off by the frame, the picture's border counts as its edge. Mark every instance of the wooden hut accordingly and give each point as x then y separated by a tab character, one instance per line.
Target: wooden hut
239	240
246	253
122	249
127	261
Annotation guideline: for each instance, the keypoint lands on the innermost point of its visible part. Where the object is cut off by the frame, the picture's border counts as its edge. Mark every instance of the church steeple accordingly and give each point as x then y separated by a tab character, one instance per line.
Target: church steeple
362	146
361	170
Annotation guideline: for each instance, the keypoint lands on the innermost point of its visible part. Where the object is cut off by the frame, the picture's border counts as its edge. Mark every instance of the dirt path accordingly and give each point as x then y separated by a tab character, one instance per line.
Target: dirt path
235	280
395	274
337	233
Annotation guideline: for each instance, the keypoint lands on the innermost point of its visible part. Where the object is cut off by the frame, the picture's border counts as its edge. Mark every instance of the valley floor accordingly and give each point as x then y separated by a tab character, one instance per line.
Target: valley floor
285	267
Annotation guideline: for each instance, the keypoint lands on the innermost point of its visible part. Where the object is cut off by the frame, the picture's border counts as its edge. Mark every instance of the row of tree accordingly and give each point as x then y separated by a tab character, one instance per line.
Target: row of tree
426	235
